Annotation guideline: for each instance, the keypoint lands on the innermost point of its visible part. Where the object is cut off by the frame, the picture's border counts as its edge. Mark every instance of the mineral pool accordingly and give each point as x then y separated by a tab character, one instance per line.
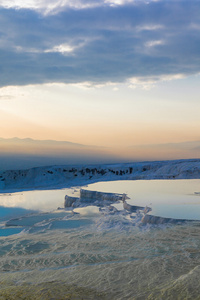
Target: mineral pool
48	252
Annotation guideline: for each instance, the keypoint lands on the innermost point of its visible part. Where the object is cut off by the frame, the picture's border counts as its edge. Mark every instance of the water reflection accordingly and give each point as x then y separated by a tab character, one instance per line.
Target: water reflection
179	199
44	200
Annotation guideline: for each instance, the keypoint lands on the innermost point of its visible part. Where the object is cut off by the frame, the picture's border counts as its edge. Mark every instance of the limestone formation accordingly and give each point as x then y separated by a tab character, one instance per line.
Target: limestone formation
70	201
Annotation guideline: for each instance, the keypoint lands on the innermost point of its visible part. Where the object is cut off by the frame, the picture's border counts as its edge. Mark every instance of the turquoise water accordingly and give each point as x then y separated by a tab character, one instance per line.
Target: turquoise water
45	248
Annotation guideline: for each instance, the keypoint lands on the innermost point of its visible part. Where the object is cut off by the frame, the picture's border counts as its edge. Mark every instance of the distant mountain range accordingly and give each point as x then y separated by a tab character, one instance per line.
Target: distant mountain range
16	153
188	145
40	142
28	141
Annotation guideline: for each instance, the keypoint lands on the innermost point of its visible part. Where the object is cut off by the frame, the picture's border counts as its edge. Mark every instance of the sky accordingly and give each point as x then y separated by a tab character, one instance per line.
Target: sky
108	73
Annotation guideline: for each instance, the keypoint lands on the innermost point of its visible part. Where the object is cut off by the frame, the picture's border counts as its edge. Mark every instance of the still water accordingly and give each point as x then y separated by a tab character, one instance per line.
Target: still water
178	199
53	253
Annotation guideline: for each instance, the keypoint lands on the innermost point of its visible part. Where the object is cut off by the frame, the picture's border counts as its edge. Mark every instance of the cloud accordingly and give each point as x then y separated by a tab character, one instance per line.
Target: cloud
63	48
100	43
48	6
149	27
11	92
150	81
6	97
154	43
54	6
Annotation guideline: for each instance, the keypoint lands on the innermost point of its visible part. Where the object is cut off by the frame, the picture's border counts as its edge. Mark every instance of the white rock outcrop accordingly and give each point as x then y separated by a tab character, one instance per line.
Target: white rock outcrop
92	196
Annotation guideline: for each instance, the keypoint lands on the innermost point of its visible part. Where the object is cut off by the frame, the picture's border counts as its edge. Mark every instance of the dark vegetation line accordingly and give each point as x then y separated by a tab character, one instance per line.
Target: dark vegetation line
66	175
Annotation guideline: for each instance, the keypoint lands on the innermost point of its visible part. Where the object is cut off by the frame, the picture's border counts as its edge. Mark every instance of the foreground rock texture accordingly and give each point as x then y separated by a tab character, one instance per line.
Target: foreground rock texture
66	176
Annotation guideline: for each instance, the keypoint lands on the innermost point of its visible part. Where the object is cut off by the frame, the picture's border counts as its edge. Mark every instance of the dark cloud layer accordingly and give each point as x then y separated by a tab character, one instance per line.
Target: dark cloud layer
100	44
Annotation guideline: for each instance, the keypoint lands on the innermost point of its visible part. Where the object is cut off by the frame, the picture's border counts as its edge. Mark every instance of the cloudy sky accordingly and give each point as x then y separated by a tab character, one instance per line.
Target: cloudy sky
111	73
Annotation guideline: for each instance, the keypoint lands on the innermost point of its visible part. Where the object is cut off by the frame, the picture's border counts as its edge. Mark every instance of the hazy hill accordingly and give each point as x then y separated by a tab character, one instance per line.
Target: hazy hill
18	153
